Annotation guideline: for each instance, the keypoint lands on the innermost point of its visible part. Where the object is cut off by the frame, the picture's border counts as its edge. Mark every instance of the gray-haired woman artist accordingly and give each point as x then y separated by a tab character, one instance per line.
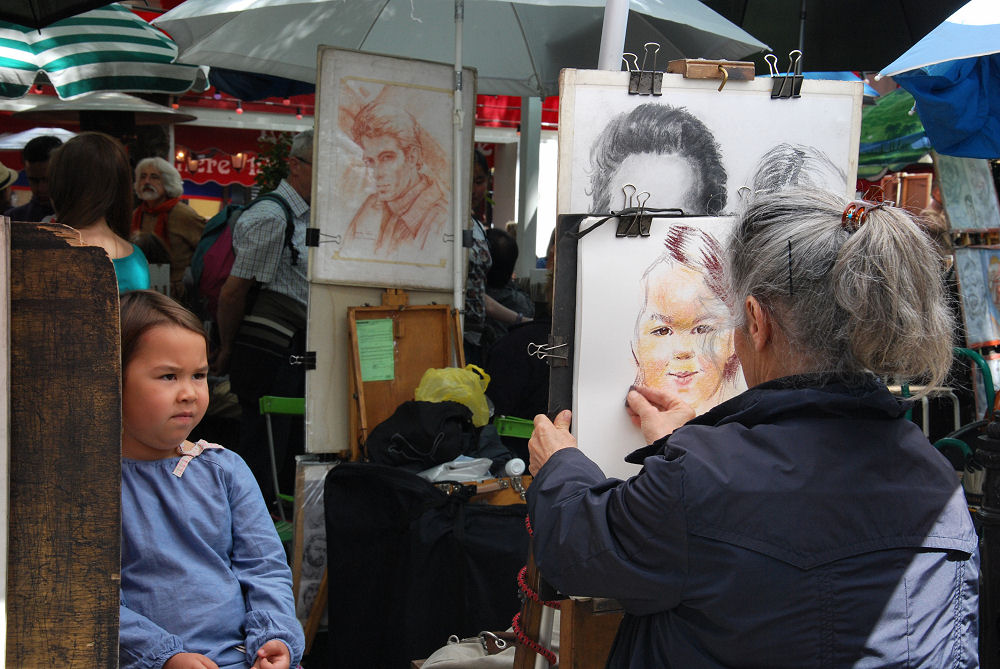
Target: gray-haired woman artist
806	522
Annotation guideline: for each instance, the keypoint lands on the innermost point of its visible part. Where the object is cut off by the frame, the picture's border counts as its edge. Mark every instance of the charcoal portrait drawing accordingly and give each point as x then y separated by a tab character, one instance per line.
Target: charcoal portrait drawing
661	150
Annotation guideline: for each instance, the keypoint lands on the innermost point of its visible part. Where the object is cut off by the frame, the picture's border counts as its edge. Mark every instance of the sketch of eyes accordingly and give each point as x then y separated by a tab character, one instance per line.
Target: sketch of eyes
702	329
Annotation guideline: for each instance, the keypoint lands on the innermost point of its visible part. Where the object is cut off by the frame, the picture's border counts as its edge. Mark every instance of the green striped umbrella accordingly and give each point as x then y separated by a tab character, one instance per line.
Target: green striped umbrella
107	49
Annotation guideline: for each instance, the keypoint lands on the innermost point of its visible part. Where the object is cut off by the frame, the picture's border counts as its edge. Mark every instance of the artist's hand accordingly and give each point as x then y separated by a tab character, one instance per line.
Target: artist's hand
189	661
273	655
656	413
548	438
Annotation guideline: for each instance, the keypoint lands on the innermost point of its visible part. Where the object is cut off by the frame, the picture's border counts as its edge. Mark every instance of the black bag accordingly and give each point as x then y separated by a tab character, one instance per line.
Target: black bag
419	435
410	565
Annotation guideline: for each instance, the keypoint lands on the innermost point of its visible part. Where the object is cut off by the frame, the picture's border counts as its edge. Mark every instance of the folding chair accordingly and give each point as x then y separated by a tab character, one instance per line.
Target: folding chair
281	406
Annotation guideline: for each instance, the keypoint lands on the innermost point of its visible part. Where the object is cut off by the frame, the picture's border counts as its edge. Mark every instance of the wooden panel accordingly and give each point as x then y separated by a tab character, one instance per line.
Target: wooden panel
587	629
915	194
65	467
424	338
4	420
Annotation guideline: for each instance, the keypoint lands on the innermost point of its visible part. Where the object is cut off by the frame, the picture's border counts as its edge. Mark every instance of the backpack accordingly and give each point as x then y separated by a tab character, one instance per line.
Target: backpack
213	256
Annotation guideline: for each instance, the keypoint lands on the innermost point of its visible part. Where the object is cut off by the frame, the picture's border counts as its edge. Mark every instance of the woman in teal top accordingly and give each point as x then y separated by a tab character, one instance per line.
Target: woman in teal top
132	271
90	184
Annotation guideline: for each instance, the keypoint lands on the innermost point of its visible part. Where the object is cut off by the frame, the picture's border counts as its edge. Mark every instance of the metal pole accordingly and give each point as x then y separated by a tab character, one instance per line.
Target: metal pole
527	201
802	32
613	35
459	195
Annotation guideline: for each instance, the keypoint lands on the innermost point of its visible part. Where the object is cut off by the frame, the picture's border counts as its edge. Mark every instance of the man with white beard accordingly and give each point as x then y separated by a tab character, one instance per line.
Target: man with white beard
161	213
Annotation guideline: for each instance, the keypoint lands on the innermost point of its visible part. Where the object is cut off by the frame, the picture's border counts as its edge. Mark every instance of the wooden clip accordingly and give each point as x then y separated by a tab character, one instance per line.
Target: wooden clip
727	70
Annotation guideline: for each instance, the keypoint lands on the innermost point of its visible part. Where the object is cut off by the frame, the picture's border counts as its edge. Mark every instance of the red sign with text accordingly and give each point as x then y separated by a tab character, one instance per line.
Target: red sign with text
219	169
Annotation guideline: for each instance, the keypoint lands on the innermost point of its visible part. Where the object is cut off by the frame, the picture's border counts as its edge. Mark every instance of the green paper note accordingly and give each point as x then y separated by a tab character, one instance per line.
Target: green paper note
376	350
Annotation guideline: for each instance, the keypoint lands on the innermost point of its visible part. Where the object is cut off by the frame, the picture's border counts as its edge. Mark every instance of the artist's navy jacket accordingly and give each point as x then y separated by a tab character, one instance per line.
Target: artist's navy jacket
788	527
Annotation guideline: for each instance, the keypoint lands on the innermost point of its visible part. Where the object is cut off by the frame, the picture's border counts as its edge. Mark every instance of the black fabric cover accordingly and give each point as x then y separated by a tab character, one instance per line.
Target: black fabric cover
409	565
419	435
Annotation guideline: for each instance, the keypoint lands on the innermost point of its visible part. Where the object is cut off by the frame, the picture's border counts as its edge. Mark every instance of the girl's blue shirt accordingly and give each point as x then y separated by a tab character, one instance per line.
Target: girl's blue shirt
132	271
203	570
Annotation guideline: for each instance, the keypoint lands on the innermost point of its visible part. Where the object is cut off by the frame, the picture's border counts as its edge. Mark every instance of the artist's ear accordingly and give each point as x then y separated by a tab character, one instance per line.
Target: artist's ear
758	323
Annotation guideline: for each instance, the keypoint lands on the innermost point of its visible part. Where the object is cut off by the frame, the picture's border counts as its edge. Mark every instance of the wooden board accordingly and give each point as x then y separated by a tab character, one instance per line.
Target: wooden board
587	630
65	449
424	336
4	421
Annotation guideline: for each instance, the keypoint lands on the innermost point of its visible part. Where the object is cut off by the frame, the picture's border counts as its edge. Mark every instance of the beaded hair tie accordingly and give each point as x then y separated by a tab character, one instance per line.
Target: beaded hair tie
856	213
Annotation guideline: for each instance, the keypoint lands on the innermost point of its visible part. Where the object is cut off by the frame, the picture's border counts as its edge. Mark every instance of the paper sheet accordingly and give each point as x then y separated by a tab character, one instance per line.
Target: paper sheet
376	350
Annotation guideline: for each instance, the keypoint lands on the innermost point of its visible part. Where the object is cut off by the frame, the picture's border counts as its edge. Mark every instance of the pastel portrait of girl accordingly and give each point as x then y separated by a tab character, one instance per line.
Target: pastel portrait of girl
683	337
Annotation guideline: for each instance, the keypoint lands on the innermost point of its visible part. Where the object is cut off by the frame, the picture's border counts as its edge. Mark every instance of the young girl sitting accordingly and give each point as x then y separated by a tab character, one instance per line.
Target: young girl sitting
204	582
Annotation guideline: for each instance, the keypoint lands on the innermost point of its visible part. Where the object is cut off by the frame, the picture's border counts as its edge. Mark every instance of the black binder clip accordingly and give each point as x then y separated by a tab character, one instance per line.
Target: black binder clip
642	81
788	85
633	221
307	360
313	236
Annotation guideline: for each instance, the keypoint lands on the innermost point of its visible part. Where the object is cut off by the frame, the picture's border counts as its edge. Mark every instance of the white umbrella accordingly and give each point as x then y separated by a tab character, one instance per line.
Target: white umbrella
518	48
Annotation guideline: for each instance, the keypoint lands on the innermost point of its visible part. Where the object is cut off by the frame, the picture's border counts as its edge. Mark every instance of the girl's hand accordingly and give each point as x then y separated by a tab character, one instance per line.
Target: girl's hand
272	655
655	412
189	661
548	438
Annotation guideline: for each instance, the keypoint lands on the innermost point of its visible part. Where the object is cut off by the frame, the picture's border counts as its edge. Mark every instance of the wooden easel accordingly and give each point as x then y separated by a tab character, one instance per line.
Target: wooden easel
424	337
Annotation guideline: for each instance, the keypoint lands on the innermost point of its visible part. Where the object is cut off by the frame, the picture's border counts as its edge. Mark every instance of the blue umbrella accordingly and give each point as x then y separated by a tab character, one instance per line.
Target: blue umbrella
954	75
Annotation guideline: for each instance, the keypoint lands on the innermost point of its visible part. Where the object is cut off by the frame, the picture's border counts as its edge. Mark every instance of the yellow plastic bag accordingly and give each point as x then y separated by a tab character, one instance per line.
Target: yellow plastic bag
456	384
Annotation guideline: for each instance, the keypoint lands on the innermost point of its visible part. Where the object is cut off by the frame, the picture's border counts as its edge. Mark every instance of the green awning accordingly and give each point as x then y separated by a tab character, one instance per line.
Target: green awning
891	137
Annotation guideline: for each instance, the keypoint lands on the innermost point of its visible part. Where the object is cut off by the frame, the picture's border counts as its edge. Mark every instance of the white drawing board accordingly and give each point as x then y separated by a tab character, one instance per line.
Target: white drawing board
633	294
384	201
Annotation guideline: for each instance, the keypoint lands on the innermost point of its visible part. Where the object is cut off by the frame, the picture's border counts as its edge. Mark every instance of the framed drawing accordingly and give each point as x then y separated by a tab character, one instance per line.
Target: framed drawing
384	201
970	196
978	272
651	310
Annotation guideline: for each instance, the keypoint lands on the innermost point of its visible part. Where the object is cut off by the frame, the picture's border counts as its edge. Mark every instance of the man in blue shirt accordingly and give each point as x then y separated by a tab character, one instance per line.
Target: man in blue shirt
36	166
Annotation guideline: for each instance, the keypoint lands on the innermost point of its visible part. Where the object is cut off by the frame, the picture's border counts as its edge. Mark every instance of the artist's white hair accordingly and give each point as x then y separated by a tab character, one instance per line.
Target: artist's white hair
173	185
848	302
